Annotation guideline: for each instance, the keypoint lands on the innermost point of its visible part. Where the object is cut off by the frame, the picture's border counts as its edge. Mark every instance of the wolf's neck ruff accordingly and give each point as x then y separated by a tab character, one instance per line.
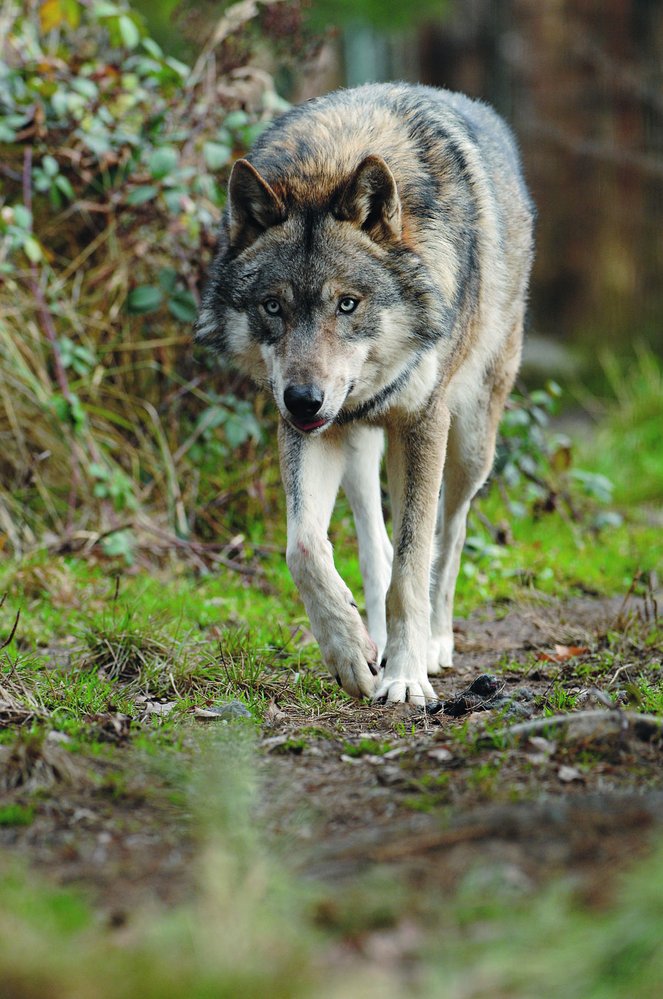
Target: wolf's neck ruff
375	405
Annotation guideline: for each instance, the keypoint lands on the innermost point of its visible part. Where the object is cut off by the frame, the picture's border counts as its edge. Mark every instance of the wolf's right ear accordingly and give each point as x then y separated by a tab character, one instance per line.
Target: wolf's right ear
253	205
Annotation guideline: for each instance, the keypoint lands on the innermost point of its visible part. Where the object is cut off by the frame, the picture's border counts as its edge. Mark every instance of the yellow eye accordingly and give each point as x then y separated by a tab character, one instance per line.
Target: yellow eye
347	304
272	306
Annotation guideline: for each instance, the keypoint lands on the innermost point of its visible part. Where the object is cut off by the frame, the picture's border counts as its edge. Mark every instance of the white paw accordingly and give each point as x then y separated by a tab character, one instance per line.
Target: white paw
352	657
440	654
394	690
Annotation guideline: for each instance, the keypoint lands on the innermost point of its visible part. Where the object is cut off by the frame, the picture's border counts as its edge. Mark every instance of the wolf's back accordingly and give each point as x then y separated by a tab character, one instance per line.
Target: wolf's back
426	135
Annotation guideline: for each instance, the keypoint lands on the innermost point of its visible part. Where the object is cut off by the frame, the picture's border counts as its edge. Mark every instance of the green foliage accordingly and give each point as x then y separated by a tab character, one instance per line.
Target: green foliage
626	446
383	14
14	814
115	161
537	464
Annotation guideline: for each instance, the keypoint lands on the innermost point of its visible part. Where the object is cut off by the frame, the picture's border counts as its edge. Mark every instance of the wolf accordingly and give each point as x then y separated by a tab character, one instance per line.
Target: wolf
372	271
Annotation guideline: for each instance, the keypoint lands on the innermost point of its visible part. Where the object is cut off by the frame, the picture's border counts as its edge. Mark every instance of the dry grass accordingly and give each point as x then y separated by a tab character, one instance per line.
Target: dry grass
101	409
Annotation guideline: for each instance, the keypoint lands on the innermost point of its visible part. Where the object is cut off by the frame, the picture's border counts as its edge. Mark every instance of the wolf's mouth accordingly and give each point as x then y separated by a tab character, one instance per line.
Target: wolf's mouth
309	426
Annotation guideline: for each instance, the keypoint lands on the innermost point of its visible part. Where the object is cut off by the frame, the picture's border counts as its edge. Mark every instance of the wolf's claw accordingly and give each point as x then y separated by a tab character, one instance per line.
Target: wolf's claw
401	689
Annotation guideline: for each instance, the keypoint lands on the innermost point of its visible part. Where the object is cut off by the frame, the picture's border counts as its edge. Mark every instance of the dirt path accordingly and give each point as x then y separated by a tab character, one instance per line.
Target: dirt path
433	797
443	796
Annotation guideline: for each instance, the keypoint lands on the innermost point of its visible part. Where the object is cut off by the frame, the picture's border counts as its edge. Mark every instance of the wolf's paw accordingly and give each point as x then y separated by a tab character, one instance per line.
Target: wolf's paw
352	659
394	690
440	654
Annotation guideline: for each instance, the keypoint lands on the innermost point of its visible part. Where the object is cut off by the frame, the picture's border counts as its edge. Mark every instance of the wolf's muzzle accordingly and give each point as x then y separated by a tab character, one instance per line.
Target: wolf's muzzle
303	402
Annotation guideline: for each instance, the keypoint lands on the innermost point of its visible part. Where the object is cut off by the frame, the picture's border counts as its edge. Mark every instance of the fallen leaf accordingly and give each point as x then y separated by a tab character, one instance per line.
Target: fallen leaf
561	653
157	708
108	726
274	714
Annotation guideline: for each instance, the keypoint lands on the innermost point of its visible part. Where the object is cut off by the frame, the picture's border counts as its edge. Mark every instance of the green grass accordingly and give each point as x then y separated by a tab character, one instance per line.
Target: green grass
366	747
627	444
200	641
86	646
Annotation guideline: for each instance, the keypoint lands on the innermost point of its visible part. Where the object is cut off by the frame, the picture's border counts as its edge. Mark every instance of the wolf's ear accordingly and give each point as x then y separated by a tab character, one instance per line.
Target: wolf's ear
254	206
371	201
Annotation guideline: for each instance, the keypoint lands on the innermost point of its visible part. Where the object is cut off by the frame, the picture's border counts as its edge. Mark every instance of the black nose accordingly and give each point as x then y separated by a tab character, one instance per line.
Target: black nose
303	401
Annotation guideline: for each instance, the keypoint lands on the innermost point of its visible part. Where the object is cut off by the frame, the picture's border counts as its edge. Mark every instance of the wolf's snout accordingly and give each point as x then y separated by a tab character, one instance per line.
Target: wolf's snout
303	401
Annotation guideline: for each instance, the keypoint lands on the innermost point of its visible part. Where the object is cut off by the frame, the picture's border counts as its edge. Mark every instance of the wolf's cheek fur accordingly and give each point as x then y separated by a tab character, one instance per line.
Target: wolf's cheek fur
242	347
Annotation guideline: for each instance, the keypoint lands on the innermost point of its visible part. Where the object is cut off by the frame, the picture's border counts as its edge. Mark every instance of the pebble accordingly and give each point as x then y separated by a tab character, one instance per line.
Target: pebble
233	709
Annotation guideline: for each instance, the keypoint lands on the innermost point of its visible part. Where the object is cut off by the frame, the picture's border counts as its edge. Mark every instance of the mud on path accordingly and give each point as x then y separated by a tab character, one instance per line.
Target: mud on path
429	797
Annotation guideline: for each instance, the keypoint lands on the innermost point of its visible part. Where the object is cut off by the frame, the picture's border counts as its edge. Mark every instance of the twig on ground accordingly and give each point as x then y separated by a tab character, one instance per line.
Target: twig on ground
620	670
7	641
644	726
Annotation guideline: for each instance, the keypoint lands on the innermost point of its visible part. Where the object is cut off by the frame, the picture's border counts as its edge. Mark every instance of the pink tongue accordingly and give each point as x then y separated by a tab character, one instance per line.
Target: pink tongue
311	426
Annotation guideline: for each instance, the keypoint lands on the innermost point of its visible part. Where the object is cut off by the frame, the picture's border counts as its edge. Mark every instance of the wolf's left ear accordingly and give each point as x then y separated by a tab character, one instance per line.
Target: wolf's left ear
371	201
254	206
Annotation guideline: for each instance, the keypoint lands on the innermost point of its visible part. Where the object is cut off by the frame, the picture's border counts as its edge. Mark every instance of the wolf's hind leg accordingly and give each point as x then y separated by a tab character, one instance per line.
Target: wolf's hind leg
457	491
470	452
361	483
415	458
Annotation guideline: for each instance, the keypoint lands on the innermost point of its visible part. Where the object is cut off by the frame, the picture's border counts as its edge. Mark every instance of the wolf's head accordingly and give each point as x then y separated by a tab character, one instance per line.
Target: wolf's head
318	301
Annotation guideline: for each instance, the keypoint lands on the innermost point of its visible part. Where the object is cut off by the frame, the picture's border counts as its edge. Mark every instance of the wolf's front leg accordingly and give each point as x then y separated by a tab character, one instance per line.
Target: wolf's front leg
415	460
312	469
361	482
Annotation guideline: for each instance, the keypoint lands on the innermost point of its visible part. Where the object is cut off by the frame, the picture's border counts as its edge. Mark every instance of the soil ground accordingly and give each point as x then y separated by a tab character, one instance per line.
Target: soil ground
426	797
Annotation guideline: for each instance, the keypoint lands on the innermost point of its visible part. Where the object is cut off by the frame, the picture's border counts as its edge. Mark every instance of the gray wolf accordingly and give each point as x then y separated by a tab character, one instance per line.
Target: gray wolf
372	271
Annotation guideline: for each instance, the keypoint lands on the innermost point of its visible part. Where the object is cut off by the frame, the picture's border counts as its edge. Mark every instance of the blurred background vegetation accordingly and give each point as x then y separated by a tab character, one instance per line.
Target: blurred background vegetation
118	125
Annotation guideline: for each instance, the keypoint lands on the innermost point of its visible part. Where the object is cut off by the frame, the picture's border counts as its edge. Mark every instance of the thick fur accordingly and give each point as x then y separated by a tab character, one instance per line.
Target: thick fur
374	259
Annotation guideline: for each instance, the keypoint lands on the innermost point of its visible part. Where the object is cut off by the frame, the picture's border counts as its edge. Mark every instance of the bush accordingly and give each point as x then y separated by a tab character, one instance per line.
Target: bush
114	160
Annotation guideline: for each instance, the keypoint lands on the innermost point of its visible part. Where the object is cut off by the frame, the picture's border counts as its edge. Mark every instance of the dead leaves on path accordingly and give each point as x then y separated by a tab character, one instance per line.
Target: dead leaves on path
562	653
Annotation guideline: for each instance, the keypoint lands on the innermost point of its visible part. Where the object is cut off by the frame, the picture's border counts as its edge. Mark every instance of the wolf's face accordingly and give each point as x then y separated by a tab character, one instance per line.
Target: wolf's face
303	299
314	296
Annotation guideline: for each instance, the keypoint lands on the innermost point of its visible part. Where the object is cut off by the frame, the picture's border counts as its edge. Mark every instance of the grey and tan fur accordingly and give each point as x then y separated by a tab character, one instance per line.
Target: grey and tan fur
372	271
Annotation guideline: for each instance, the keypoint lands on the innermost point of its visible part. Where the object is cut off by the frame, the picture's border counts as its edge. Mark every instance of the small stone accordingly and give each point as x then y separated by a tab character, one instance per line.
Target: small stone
516	710
543	745
60	737
485	685
568	774
481	695
433	707
523	694
232	710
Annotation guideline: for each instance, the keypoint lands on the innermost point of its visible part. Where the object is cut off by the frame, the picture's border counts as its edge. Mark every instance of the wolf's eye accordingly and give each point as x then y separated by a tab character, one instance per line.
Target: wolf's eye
272	306
347	304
